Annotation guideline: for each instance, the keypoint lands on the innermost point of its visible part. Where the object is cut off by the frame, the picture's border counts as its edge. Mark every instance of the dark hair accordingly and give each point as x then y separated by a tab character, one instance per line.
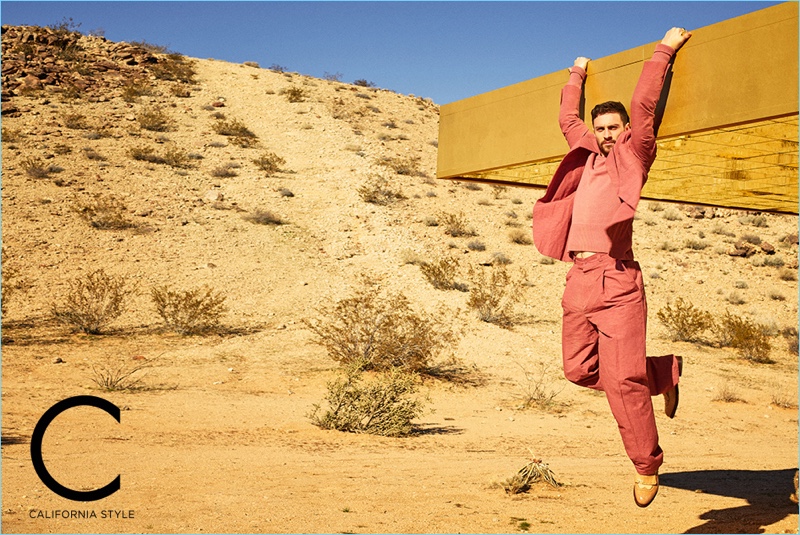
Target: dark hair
611	106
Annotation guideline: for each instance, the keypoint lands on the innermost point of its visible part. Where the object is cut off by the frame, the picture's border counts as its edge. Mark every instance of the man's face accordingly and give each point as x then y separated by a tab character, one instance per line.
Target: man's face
607	128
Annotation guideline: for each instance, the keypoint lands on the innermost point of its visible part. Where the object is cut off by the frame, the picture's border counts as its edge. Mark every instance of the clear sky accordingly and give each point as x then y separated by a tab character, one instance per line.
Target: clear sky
445	51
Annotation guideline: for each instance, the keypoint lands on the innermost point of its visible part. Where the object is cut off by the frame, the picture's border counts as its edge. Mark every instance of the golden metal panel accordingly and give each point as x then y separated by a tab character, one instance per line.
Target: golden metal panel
729	135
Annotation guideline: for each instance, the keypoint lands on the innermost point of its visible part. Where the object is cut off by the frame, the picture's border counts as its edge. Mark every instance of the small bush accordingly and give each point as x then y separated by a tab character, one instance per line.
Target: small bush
720	229
92	154
264	217
104	212
786	274
74	121
476	245
672	214
735	298
407	166
225	171
296	94
538	390
727	394
696	245
35	168
773	261
520	237
493	296
174	67
441	273
269	162
361	82
751	238
455	225
685	322
233	128
378	190
383	406
749	338
135	89
93	302
154	119
371	331
191	311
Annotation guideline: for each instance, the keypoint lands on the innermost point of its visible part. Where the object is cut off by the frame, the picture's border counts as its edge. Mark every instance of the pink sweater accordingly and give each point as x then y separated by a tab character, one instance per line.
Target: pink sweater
627	164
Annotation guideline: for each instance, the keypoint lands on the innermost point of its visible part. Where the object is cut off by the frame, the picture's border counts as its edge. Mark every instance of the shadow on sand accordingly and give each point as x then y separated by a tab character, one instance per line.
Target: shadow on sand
766	492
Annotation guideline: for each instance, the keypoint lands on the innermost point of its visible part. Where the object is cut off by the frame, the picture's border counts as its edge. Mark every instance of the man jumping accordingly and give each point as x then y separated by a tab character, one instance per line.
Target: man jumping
586	217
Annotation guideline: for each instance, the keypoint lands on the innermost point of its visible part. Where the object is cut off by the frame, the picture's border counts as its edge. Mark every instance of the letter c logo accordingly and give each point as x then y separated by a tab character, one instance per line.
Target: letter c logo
36	449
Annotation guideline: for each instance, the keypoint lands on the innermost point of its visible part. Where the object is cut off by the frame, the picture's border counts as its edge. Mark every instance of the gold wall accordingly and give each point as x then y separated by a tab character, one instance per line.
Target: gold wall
728	138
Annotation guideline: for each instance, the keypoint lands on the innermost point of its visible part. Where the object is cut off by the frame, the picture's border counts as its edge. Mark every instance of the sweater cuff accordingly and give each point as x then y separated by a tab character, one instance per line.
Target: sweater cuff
663	53
576	75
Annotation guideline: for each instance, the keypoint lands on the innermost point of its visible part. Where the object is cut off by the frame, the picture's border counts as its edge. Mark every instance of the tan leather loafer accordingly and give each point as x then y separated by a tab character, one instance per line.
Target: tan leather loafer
671	396
645	489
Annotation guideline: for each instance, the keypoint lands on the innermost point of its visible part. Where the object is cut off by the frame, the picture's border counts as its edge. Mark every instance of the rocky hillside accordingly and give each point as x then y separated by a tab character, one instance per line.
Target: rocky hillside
155	166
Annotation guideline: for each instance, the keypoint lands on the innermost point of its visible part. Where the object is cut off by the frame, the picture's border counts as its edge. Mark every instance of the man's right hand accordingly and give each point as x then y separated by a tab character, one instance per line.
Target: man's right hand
581	62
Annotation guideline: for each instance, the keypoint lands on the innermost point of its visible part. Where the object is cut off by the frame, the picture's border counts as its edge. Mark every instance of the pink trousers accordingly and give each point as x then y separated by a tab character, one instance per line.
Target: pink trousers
603	343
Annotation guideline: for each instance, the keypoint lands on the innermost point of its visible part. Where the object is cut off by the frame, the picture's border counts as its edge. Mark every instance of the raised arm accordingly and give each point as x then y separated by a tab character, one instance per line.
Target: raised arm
648	92
569	119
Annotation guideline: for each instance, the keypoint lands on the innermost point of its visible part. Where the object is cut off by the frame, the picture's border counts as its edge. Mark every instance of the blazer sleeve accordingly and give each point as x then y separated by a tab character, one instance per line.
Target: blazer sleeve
644	103
569	119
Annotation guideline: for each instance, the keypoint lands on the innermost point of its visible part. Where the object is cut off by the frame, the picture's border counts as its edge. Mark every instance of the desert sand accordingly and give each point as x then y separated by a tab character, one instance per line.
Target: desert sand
218	439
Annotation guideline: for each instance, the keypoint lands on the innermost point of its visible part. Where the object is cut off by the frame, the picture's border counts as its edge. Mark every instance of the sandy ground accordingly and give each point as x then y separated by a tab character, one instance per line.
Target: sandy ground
219	440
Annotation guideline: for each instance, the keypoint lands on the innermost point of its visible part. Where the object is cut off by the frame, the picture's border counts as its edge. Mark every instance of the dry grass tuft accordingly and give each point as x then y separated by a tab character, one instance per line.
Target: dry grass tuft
530	474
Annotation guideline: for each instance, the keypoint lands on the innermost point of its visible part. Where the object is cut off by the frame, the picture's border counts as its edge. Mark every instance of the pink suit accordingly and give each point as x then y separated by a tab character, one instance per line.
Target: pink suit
605	310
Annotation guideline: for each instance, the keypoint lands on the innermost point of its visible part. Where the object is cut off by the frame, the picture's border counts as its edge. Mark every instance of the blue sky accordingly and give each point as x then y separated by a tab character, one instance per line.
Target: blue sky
445	51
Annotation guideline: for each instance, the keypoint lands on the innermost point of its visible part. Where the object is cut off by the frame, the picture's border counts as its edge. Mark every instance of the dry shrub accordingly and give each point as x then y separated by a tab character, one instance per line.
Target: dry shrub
381	406
104	212
154	119
408	166
135	89
442	273
240	135
174	67
380	332
75	121
191	311
378	190
493	296
685	322
264	217
35	168
455	225
520	237
269	162
751	339
296	94
539	392
727	394
93	301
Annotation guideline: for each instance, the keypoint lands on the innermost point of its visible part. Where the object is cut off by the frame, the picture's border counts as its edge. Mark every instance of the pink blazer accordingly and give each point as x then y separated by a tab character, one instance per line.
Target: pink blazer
628	162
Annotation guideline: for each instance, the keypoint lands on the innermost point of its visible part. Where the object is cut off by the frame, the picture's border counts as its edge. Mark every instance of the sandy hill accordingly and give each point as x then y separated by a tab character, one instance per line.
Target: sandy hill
100	134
